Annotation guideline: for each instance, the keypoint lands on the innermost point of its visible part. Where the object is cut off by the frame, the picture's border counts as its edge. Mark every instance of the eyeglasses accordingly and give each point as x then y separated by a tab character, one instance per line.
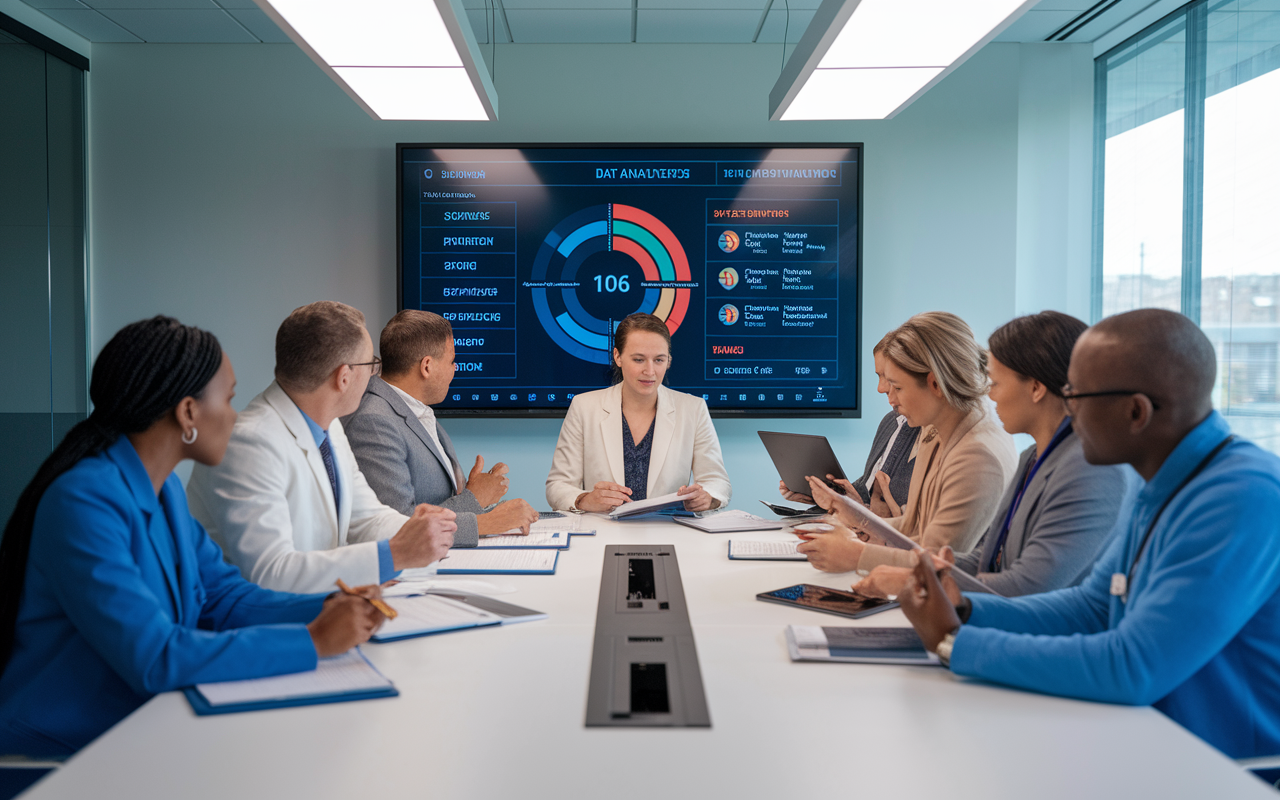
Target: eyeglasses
1069	394
375	366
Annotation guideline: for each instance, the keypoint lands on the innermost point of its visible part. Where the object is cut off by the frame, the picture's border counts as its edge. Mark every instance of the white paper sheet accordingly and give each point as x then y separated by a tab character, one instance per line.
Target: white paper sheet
642	506
535	540
428	613
344	674
765	551
488	560
730	521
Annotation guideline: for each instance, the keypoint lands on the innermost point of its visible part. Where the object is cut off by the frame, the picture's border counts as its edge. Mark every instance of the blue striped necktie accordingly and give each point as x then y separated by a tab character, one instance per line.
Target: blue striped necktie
326	453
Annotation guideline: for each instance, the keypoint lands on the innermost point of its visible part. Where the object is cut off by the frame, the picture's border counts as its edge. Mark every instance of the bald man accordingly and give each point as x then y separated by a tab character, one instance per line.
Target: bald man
1182	610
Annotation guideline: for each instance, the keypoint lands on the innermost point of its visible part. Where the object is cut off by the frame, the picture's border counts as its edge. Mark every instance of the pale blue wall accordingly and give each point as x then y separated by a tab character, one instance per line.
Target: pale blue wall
233	183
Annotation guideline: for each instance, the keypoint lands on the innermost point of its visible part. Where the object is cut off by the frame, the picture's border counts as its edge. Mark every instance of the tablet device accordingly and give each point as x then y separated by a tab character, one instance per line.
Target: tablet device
796	455
828	601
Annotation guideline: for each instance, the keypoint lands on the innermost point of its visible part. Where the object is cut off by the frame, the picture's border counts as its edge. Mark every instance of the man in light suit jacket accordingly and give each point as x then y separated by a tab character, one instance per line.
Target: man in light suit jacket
402	449
288	504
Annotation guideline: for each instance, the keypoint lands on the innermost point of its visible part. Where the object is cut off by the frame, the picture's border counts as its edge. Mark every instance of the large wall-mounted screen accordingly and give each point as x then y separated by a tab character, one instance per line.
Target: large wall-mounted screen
750	254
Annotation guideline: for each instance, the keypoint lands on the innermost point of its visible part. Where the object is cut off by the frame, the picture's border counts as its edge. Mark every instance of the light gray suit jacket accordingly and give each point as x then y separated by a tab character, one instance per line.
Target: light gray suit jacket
403	465
1065	518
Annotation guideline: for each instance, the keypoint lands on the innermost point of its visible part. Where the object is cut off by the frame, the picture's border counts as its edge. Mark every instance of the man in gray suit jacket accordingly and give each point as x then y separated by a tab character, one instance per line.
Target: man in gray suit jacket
405	454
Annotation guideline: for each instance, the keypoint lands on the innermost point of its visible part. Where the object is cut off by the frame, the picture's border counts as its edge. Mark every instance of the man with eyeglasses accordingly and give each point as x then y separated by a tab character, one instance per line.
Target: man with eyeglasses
1182	610
288	504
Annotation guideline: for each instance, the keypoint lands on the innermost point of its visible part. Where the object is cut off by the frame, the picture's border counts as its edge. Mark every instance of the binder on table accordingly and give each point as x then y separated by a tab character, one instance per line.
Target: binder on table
857	645
339	679
492	561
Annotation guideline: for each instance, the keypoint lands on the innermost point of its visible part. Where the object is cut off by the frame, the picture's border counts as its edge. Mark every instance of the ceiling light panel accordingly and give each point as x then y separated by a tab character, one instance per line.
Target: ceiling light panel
857	93
372	33
398	59
914	33
869	59
415	93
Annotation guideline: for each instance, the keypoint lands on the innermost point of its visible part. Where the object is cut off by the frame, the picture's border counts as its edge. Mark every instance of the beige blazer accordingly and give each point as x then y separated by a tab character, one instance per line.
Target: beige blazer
590	447
955	489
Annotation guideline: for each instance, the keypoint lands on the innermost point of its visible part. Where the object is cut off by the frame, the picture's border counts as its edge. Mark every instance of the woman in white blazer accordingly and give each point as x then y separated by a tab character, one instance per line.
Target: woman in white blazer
637	439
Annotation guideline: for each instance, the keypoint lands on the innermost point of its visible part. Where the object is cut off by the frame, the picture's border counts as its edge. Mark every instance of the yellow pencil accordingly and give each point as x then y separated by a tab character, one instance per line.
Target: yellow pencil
387	611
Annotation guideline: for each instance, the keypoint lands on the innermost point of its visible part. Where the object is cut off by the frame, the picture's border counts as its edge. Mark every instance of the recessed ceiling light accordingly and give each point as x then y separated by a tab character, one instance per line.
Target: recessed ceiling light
399	59
857	93
919	38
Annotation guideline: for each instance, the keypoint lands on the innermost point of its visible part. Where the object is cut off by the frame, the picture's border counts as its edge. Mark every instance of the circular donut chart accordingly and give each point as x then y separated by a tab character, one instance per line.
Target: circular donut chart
610	227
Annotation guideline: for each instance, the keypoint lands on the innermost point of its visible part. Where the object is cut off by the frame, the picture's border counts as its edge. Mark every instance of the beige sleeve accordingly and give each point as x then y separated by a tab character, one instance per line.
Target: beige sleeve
564	482
971	484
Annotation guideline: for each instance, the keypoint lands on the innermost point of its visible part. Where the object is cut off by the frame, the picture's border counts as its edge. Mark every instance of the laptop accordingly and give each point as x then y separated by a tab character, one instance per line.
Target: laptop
796	455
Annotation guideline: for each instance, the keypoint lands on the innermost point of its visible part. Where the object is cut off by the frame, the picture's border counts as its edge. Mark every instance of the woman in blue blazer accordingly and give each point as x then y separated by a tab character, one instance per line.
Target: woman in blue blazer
110	592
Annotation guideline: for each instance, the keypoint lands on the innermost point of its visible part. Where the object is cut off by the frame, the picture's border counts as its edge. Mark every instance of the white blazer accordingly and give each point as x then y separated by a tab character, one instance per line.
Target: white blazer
270	506
590	447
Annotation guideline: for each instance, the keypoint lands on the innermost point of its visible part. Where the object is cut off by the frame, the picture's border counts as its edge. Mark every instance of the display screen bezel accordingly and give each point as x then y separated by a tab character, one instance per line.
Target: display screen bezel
827	412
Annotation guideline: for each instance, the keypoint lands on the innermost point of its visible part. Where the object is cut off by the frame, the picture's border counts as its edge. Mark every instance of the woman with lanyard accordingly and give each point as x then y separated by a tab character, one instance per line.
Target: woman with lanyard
1056	513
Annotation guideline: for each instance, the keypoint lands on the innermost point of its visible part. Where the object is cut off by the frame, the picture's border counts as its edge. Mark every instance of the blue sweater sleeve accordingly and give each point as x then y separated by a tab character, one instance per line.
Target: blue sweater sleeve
1208	571
81	543
1077	609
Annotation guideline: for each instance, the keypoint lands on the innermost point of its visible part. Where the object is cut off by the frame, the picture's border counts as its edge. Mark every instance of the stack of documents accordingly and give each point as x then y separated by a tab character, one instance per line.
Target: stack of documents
349	676
494	561
730	521
569	523
857	645
745	550
536	540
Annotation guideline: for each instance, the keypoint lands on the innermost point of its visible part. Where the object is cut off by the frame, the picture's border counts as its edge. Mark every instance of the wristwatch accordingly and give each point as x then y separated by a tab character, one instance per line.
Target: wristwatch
944	649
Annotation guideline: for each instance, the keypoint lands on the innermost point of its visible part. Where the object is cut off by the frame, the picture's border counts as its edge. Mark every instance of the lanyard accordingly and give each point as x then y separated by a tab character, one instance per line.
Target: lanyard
1120	583
1064	430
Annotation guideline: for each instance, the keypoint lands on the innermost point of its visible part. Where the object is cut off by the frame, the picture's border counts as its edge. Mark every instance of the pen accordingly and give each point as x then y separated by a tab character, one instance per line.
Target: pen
387	611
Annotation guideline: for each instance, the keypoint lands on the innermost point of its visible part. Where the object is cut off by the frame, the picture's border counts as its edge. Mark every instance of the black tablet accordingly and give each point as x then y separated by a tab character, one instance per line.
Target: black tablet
796	455
829	601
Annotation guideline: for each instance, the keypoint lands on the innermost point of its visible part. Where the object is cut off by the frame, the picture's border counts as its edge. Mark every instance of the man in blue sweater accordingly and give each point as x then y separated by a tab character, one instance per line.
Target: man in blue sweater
1182	610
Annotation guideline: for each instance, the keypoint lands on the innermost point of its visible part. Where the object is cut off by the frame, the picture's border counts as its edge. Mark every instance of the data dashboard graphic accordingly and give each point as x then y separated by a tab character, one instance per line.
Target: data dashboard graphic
660	273
750	255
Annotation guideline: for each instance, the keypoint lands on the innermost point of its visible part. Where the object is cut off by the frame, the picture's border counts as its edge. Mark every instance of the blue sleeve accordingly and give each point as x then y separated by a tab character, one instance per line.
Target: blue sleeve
1077	609
82	544
386	564
1210	569
233	602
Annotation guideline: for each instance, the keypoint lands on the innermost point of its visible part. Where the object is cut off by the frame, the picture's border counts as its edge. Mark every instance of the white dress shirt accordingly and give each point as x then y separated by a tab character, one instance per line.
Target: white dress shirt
427	417
871	479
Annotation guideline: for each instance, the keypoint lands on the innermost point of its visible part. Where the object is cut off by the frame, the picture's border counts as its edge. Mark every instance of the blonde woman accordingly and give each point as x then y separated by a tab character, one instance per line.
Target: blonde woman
637	439
937	379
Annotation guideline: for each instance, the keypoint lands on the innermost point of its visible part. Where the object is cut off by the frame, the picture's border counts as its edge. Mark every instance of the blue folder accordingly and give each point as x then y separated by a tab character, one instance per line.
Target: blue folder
204	708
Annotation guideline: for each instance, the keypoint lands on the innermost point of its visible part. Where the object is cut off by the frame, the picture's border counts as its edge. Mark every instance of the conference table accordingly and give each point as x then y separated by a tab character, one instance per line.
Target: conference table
498	713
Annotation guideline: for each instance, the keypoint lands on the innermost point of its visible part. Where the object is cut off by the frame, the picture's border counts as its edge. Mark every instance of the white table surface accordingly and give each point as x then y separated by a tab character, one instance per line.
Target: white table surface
498	713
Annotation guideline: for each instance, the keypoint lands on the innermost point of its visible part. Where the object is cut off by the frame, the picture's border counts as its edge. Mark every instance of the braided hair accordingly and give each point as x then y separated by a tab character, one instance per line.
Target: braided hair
141	375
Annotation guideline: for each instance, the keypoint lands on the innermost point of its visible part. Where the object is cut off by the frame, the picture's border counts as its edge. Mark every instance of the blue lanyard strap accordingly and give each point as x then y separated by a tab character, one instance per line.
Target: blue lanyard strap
997	556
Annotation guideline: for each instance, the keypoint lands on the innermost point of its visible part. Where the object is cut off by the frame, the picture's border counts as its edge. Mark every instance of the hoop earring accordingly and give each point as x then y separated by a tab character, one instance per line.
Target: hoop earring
194	434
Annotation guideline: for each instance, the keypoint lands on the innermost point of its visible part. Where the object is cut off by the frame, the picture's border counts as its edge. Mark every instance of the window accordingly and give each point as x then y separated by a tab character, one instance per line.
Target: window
1187	196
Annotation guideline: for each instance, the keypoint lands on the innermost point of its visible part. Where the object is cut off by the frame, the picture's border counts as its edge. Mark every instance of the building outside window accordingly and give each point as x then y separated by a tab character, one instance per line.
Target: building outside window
1187	190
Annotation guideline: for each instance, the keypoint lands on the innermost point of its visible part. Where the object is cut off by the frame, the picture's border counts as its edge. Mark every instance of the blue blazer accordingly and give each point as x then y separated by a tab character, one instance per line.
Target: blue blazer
125	597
